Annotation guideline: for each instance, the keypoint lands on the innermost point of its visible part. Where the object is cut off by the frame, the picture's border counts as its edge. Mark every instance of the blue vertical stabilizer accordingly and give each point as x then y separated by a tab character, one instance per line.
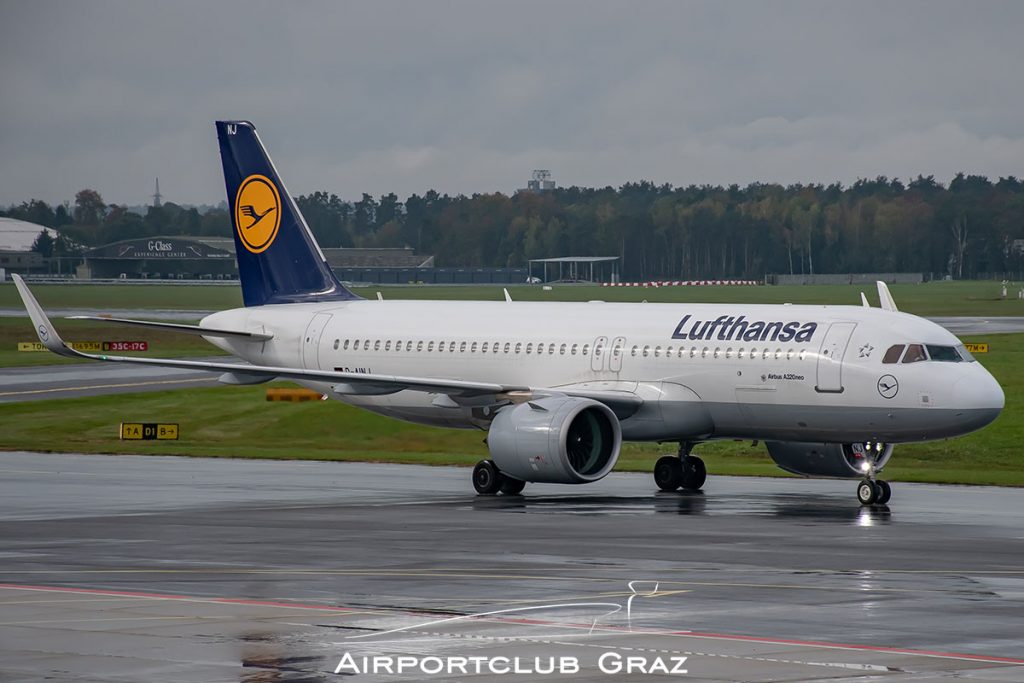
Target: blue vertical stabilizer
279	262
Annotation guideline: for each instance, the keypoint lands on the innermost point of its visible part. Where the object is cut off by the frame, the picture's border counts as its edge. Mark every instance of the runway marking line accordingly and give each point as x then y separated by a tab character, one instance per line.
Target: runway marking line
537	622
107	386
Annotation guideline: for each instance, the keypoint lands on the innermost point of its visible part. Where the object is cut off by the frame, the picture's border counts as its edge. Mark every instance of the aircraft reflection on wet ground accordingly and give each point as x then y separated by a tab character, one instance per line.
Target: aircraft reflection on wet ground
813	508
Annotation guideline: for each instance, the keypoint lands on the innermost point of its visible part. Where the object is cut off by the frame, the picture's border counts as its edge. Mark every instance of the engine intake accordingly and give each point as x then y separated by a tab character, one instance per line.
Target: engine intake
557	439
845	460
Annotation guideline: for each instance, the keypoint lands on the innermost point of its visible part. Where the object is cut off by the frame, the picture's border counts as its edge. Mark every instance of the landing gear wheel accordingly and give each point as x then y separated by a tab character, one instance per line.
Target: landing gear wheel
867	492
694	473
884	492
487	479
668	473
512	487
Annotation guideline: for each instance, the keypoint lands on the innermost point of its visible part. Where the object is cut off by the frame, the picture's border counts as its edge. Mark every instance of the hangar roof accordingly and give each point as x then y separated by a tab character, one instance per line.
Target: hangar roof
18	235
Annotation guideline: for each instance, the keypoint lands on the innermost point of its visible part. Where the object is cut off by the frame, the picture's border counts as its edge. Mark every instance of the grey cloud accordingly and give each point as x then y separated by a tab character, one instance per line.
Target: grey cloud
470	96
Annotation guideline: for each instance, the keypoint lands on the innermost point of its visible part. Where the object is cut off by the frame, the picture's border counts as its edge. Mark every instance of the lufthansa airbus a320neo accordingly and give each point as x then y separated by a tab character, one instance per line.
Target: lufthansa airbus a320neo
559	386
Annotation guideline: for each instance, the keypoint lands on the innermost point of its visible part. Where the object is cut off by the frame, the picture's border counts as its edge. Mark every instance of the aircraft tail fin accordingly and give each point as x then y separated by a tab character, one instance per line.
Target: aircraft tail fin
279	261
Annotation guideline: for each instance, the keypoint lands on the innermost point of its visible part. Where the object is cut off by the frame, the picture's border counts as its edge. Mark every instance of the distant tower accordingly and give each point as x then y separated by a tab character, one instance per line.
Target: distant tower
156	195
541	181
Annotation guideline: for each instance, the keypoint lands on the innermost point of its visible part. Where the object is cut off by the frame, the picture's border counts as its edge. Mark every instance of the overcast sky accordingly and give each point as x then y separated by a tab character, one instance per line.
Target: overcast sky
468	97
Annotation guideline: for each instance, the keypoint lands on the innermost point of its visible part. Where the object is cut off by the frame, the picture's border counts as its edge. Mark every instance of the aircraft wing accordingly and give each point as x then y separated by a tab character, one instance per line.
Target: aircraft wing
347	383
177	327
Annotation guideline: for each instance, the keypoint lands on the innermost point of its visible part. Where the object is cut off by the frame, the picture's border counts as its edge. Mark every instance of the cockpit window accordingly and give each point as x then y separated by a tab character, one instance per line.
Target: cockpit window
965	354
893	354
946	354
914	354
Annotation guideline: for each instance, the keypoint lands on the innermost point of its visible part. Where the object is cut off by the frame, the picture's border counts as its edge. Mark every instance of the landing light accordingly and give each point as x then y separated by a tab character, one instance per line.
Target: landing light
865	466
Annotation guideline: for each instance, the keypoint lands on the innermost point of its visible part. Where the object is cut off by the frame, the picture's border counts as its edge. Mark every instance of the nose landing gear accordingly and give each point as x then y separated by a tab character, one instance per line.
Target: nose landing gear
874	492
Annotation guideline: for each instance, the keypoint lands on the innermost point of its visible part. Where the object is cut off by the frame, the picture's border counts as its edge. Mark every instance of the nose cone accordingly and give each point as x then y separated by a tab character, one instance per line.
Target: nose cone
979	398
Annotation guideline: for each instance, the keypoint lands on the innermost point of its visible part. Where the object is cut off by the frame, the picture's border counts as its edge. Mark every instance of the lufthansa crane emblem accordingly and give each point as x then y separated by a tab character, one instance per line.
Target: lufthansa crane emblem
888	387
257	213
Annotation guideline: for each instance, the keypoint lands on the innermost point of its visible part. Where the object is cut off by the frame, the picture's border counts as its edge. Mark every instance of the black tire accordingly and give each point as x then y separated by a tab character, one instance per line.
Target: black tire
694	473
512	487
884	492
668	473
867	492
487	479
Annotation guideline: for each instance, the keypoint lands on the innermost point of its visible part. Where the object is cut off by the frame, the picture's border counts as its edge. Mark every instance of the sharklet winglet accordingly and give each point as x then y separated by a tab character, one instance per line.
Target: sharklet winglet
885	297
45	330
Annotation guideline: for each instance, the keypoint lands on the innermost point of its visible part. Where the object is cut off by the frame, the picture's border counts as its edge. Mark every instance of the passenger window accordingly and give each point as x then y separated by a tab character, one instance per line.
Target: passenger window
693	351
519	347
765	354
387	346
483	348
704	352
507	347
430	346
914	354
561	350
408	346
586	349
572	350
634	350
366	345
647	351
728	352
803	353
451	347
789	354
778	354
551	349
419	346
657	352
336	342
472	349
717	350
529	348
668	352
345	346
739	354
494	347
440	347
753	354
892	355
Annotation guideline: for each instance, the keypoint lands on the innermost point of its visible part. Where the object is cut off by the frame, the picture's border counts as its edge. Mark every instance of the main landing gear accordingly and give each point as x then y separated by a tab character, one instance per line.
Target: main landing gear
489	480
680	471
874	492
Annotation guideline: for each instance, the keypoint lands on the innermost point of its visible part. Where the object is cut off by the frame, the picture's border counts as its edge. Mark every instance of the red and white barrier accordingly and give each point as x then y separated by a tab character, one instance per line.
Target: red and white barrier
681	283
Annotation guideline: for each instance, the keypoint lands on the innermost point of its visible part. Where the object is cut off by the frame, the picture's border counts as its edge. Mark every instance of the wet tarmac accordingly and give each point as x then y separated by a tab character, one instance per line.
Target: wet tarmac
75	380
160	568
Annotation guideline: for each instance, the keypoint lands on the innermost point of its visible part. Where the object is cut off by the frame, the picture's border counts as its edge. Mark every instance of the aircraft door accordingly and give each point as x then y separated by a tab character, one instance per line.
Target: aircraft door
597	360
830	357
618	350
311	341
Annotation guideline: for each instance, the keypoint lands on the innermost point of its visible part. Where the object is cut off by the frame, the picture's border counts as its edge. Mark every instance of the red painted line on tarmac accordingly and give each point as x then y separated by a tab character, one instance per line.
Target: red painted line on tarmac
536	622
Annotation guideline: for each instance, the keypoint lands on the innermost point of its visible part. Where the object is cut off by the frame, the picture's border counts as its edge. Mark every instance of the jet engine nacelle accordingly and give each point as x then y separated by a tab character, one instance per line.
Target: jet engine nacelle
846	460
556	439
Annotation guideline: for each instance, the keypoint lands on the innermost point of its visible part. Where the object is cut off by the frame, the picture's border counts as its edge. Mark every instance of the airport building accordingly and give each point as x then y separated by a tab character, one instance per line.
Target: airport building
16	240
181	258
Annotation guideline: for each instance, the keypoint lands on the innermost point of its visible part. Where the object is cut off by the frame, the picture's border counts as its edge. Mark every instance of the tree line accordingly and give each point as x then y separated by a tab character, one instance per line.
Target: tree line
964	229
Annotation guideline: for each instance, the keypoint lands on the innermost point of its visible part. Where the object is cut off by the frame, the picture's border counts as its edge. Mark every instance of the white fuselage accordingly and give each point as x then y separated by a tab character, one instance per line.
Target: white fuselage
794	373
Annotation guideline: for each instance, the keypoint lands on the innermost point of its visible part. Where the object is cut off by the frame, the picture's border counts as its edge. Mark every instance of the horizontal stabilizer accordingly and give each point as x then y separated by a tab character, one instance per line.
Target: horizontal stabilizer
178	327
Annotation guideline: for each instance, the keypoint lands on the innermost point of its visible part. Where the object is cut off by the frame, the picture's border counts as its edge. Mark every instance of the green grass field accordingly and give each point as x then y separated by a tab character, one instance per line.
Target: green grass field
161	344
931	298
239	422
